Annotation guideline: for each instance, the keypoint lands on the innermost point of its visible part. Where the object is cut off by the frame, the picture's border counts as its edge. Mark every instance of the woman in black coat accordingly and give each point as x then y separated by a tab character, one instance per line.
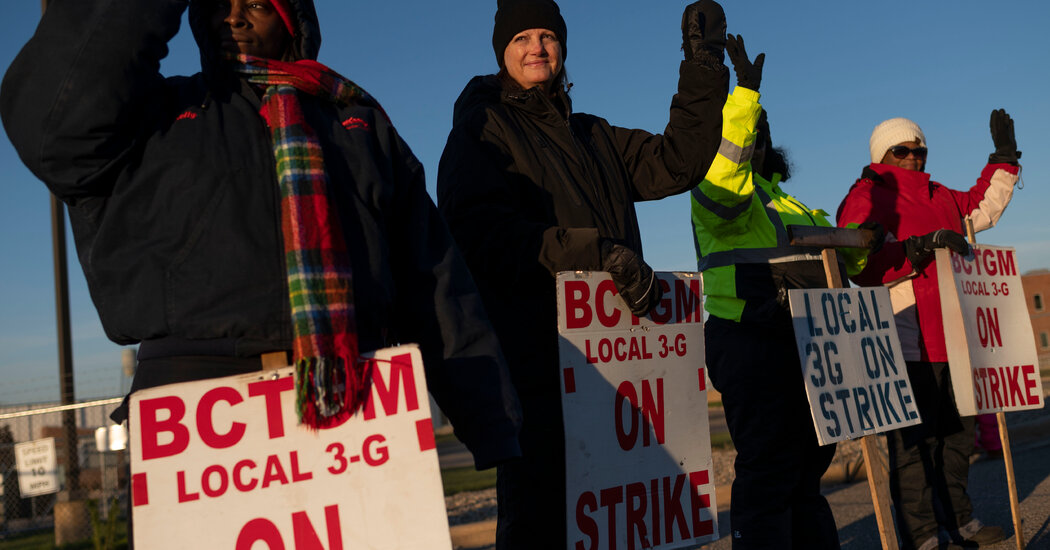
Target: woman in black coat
530	188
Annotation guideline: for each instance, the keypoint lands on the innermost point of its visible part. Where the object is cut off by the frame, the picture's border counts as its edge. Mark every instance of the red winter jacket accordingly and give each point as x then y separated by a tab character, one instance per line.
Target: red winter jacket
908	203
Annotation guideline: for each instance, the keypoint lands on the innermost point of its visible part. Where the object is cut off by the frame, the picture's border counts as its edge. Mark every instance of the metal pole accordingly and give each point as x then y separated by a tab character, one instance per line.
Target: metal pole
65	345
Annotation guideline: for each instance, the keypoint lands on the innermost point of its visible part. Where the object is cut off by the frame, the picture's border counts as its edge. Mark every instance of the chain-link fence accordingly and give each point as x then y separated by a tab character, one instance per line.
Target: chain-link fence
41	505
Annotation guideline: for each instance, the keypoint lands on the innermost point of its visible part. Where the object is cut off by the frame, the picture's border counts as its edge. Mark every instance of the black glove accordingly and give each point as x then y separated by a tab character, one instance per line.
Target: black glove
879	235
1003	137
919	248
704	33
748	74
634	279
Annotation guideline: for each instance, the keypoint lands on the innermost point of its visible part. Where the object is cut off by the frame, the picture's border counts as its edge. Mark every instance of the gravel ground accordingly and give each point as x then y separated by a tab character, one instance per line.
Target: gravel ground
473	506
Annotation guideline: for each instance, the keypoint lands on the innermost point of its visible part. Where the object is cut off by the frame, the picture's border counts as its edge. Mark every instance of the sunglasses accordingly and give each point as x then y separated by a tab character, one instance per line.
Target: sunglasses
901	152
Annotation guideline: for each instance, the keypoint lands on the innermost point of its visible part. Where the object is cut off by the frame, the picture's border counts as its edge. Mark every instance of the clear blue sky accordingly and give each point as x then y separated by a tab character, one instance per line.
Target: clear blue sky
833	70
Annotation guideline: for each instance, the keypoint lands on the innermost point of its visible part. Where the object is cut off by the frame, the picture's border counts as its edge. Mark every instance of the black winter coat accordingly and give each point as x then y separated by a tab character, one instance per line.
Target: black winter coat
174	203
528	189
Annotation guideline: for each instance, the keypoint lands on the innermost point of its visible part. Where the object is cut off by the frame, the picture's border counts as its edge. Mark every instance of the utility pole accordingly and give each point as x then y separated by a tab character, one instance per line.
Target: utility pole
65	344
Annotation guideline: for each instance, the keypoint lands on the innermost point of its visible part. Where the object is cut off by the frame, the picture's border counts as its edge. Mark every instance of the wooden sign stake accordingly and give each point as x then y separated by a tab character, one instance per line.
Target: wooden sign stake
1004	437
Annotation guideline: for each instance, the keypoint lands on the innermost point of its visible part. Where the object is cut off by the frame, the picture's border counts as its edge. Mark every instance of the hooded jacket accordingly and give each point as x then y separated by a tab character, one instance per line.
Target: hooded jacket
174	204
529	188
909	203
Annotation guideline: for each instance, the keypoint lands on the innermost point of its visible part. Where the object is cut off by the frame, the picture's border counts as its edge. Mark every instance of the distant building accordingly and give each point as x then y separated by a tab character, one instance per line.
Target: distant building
1036	294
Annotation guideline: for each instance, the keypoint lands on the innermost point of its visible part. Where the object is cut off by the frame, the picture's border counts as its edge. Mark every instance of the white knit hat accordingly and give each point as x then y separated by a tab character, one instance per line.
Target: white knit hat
892	132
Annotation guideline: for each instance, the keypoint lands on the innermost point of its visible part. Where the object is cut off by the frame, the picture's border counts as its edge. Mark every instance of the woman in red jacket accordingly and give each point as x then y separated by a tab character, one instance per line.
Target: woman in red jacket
929	463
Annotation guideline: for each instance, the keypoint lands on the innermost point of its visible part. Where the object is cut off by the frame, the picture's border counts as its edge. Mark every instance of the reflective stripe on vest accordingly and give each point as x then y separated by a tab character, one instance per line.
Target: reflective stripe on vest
735	153
782	253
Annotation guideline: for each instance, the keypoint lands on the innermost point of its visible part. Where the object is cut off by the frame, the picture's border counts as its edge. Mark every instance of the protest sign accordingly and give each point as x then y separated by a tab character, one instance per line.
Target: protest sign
37	466
224	463
991	353
854	371
638	444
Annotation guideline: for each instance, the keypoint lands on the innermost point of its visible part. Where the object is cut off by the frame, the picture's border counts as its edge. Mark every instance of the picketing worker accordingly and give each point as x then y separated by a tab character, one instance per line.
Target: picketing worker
740	215
929	463
264	205
531	188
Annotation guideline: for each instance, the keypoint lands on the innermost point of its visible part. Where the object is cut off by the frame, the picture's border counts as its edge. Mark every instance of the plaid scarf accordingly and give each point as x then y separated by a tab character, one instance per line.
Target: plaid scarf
331	380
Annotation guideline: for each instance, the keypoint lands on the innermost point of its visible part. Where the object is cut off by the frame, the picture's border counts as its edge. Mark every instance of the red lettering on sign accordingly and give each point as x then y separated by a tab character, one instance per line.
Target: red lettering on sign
1013	376
636	515
375	455
688	301
1030	383
425	434
259	529
654	495
293	458
238	478
306	537
577	308
206	478
204	419
1007	266
139	490
271	391
609	499
979	397
703	379
993	387
570	378
988	327
699	502
274	472
585	523
400	369
674	515
957	263
661	314
606	318
151	426
643	519
184	495
626	392
651	413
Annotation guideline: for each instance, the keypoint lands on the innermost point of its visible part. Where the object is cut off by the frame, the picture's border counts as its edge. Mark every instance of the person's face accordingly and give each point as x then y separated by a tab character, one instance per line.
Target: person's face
533	57
251	27
910	161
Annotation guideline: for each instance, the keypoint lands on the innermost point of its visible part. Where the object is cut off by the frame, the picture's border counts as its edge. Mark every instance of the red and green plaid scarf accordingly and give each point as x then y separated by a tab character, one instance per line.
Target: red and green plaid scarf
331	380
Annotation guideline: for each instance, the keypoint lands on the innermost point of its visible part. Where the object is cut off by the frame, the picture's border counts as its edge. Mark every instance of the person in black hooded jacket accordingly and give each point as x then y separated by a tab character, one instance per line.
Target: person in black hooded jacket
177	214
530	188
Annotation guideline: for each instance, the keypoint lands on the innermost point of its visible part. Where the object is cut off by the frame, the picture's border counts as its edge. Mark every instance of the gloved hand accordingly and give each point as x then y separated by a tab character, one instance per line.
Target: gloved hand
704	33
879	235
919	248
1003	137
634	279
748	74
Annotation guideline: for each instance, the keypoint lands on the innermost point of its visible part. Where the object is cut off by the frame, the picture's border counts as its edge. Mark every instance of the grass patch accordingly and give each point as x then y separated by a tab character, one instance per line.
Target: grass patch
457	480
721	441
440	438
46	541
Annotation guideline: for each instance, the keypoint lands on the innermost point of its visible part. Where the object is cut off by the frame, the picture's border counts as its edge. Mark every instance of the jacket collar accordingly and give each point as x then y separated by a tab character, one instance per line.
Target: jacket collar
540	105
886	174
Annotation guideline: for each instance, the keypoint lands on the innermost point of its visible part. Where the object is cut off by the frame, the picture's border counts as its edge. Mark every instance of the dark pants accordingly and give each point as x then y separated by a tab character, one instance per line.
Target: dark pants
530	491
930	462
776	499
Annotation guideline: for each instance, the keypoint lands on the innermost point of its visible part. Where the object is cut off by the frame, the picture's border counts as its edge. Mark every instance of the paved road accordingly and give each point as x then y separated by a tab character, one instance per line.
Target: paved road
851	503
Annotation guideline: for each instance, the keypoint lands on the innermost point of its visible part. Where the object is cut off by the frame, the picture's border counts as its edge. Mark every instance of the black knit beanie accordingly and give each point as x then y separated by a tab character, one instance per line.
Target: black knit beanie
514	16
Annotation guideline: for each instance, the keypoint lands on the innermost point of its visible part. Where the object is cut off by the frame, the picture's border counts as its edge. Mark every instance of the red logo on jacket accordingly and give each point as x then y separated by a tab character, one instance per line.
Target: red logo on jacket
354	123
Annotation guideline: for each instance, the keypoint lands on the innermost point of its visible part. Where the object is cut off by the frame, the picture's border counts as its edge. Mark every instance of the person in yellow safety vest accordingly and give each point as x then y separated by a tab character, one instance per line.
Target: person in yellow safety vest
740	217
